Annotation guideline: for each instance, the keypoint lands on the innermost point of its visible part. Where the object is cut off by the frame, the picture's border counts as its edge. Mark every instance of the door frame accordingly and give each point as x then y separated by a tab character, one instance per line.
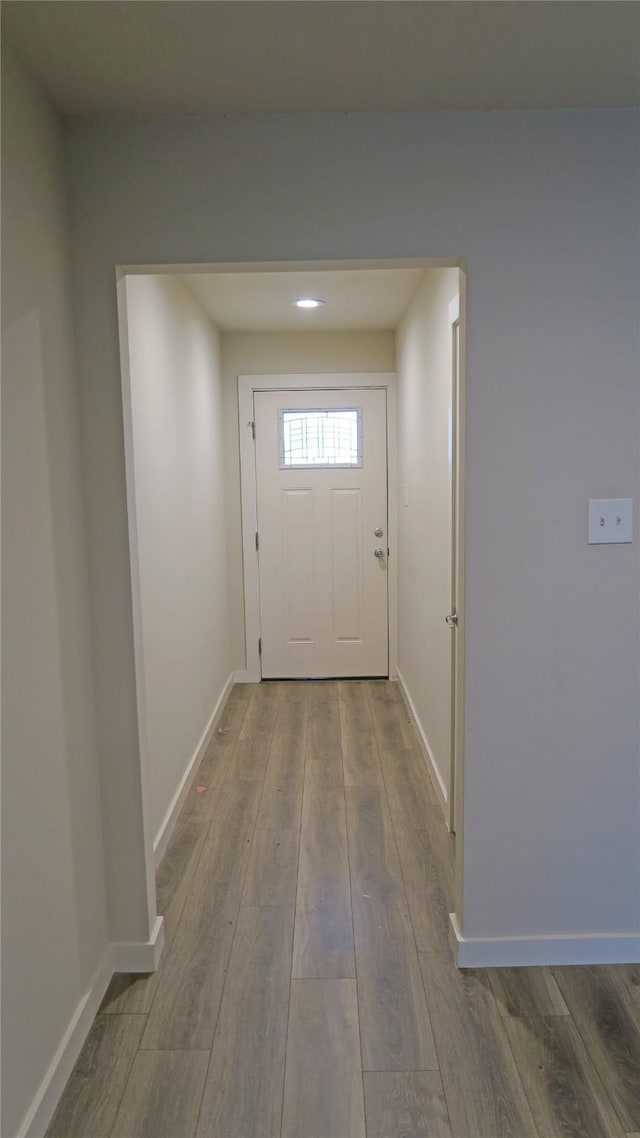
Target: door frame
247	385
457	308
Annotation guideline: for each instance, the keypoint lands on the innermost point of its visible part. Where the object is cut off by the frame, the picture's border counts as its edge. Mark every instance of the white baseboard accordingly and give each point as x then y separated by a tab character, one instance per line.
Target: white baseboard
48	1094
246	676
426	749
139	956
514	952
161	840
135	956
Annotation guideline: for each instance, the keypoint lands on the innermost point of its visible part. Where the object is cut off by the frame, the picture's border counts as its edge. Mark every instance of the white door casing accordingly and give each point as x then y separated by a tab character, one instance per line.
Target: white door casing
457	562
313	578
322	560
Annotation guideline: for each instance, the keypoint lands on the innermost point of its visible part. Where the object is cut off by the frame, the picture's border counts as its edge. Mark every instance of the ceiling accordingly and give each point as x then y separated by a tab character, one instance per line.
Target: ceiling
355	299
227	56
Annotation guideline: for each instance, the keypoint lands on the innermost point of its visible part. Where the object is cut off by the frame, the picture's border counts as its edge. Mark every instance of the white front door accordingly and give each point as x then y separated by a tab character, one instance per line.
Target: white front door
321	475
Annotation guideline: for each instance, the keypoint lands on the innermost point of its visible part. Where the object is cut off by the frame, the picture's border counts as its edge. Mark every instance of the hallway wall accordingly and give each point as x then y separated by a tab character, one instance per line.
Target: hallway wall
424	510
179	476
54	907
273	353
543	207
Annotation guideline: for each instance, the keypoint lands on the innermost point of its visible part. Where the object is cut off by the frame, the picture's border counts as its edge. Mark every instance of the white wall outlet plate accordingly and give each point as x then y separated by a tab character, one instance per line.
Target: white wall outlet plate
610	521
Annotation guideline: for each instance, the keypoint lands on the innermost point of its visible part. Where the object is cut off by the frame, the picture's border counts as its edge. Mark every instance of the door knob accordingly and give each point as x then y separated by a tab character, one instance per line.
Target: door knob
378	552
378	532
452	620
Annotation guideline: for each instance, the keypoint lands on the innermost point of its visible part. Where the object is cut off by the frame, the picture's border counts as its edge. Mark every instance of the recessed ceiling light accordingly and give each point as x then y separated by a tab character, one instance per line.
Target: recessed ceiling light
308	302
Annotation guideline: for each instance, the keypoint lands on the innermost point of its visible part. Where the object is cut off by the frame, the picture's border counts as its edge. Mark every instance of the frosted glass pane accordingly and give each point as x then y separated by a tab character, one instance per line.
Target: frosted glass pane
321	437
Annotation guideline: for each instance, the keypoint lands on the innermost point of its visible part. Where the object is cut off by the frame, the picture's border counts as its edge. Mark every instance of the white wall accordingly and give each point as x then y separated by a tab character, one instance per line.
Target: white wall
543	206
178	458
54	911
276	353
424	512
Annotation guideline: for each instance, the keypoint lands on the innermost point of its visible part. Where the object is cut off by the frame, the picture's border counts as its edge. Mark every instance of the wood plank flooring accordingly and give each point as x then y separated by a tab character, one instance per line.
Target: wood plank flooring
307	987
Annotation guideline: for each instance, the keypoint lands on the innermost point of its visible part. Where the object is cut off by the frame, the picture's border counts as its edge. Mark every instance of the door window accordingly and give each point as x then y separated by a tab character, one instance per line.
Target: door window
322	437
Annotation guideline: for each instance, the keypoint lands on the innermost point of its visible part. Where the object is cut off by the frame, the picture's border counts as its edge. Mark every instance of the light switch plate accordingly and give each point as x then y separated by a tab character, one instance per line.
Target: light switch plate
610	521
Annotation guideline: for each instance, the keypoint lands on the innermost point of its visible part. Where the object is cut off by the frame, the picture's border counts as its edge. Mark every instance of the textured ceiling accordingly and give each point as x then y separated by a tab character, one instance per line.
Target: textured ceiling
318	55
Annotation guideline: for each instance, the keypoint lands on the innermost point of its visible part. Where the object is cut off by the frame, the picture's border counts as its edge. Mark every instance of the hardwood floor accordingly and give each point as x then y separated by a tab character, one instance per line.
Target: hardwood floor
407	1103
307	987
323	1084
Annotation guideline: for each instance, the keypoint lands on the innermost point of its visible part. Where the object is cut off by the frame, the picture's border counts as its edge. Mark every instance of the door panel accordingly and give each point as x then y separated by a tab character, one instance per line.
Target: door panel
297	533
323	592
347	583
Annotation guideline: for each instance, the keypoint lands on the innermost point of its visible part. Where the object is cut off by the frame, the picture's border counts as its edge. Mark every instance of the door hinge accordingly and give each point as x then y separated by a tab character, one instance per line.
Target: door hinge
259	646
253	428
257	542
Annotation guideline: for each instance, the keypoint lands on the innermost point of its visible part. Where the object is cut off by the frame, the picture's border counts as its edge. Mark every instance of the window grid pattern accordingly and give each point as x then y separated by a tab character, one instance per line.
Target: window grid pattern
319	437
